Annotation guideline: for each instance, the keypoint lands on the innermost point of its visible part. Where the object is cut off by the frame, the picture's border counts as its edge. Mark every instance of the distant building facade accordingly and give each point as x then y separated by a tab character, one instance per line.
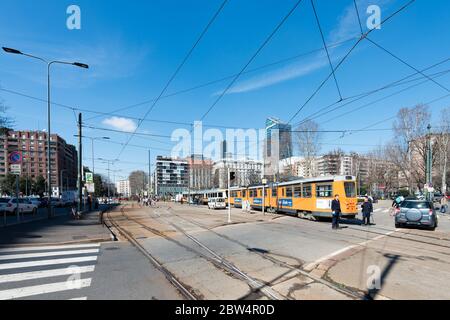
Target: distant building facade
33	146
200	172
279	136
172	176
247	172
123	188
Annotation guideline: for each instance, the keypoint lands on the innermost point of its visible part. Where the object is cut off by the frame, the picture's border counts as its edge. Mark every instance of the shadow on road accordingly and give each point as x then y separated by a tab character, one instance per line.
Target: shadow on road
393	259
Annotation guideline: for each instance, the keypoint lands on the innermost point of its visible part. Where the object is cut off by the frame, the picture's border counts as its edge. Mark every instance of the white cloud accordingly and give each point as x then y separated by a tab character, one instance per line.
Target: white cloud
122	124
283	74
347	27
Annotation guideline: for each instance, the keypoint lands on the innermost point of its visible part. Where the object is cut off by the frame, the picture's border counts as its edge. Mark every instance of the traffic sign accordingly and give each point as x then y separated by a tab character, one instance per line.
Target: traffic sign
90	187
16	169
89	177
15	157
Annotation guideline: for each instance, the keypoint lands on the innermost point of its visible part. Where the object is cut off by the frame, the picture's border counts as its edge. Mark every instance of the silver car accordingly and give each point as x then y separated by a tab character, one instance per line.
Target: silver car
416	213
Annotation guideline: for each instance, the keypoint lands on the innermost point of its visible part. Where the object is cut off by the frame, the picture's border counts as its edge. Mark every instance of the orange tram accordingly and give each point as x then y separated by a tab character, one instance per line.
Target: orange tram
309	197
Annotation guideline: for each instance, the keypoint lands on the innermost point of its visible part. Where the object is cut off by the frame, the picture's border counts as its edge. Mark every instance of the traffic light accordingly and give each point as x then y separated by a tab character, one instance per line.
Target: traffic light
232	176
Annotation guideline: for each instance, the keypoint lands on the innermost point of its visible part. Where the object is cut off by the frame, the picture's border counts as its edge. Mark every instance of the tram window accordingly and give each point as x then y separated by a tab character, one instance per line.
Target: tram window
297	192
289	192
274	192
350	189
324	191
265	192
244	193
307	192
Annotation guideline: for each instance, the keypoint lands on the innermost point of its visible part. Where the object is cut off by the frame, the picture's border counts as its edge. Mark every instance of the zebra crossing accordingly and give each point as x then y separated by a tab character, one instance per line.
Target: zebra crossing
381	210
46	272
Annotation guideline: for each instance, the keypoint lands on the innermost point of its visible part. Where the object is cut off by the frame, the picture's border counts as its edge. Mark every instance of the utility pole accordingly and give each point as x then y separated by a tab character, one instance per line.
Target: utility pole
149	172
80	163
229	196
429	174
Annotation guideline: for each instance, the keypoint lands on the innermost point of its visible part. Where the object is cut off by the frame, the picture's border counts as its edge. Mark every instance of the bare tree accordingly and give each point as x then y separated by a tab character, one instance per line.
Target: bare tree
6	122
307	138
444	146
408	148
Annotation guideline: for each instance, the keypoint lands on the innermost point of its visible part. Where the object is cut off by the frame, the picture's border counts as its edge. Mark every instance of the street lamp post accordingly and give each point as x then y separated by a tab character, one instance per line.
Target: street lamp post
49	64
61	180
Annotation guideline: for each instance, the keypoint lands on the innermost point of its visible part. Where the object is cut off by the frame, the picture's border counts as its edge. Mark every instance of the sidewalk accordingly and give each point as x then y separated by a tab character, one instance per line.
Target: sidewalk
60	229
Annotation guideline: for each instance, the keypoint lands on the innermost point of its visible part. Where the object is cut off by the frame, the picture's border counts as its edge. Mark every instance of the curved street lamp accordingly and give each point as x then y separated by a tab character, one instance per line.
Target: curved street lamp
49	64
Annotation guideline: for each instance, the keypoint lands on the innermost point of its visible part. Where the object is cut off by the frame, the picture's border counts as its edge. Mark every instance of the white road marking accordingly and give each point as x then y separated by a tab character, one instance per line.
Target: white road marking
27	264
378	209
46	254
43	274
80	298
312	265
43	289
70	246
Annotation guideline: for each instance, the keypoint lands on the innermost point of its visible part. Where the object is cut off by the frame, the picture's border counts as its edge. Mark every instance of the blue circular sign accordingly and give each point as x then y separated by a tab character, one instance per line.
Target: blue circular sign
15	157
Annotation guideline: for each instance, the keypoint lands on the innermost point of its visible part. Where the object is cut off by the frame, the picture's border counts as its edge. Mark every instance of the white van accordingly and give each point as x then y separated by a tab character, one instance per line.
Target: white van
216	203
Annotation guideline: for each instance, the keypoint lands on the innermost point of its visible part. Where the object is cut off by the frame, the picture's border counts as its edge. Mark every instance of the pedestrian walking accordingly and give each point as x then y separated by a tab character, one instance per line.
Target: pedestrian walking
336	209
367	209
444	203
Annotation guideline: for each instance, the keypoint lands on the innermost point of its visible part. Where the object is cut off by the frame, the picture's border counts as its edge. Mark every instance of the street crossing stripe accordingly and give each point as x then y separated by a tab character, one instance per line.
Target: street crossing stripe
44	289
376	210
44	274
70	246
27	264
46	254
80	298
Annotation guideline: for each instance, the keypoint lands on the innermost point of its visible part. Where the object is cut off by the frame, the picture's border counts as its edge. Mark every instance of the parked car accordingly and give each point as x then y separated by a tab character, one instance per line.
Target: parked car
57	202
35	201
216	203
437	197
416	213
25	206
3	204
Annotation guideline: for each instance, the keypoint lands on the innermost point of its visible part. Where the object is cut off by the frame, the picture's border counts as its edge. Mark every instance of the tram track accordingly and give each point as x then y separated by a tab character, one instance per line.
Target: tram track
182	288
214	258
339	288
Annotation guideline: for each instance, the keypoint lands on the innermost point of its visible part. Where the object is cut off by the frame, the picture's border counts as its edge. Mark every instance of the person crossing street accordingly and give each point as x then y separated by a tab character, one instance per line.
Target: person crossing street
367	209
336	209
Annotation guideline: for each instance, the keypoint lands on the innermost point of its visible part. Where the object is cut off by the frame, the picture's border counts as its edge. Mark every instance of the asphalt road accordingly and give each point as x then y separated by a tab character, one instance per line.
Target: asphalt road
258	256
294	258
63	258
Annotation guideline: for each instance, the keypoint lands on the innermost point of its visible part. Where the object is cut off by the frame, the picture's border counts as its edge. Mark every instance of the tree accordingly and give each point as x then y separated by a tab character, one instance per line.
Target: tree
444	146
6	122
39	186
409	147
8	184
138	181
307	137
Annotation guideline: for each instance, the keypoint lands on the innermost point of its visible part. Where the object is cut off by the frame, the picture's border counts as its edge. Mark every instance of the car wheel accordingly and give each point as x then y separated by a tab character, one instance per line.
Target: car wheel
34	212
398	225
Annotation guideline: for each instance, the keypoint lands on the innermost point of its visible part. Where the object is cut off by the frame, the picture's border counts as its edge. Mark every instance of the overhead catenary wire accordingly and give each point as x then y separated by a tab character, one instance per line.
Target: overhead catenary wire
174	75
326	49
260	48
358	97
212	82
392	54
403	7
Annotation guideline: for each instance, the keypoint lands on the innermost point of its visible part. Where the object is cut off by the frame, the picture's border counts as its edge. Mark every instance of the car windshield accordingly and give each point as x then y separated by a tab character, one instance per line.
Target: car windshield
416	205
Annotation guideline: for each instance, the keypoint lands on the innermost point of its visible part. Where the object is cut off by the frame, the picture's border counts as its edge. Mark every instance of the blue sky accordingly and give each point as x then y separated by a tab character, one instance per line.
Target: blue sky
133	47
